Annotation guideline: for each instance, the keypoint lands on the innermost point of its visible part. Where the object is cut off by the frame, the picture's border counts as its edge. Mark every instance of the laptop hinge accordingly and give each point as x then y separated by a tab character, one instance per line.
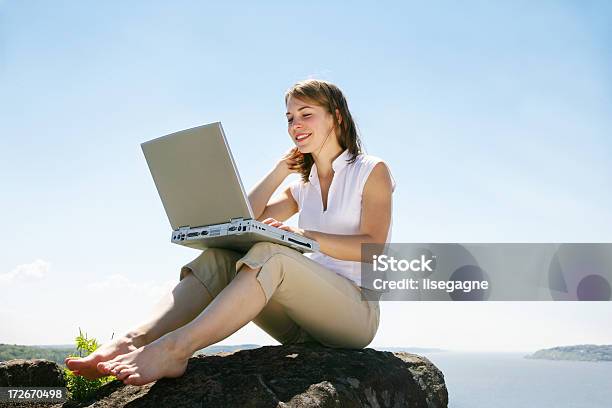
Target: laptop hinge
237	219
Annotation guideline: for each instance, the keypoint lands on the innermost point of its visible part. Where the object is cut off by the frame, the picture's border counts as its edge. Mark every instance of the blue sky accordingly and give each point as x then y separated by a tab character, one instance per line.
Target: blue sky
494	118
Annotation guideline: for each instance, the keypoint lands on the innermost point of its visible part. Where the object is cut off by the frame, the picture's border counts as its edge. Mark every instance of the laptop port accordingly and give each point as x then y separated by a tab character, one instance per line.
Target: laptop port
299	242
232	228
193	234
204	232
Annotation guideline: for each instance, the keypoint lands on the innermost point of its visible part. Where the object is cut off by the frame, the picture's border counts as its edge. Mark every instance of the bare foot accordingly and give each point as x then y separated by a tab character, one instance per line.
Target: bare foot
87	366
161	358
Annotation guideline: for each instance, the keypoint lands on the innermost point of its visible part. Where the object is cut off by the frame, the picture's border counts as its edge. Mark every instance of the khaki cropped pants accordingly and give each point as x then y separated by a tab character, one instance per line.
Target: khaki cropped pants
305	302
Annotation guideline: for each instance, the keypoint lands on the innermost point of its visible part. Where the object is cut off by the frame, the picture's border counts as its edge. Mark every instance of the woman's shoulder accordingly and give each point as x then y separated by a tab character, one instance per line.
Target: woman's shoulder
367	160
365	163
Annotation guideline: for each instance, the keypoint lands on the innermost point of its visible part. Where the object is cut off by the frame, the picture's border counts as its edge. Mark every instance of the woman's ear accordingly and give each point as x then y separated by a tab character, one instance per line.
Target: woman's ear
338	116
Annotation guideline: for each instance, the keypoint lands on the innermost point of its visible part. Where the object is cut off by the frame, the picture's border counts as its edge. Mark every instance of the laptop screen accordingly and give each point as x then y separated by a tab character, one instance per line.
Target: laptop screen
196	177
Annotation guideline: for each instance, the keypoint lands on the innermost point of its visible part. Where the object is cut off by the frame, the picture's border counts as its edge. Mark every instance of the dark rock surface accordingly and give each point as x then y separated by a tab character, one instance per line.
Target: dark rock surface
30	373
297	375
25	373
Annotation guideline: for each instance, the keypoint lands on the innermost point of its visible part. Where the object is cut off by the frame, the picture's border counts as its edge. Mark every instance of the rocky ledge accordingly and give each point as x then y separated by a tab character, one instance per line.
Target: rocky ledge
297	375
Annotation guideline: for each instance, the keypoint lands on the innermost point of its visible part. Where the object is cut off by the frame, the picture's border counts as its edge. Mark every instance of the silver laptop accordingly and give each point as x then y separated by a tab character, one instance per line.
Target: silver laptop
200	188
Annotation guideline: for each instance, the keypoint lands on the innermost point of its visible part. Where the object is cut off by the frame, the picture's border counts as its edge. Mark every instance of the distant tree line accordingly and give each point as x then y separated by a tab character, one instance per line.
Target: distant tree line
14	351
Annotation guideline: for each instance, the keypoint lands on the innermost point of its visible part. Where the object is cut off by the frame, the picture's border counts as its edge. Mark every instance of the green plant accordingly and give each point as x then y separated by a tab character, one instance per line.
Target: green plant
79	387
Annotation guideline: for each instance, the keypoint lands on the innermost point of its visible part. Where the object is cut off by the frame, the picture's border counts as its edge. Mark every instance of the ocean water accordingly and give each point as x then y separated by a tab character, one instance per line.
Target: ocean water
507	380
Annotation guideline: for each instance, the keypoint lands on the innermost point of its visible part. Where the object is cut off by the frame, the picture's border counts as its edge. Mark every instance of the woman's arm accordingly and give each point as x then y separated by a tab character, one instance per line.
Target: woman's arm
376	210
259	197
261	193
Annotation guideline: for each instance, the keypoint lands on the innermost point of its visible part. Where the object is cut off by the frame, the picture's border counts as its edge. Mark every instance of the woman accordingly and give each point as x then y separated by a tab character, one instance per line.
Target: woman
344	199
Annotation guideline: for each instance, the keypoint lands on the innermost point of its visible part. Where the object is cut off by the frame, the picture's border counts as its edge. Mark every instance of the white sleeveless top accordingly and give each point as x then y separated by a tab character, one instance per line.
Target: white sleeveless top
343	214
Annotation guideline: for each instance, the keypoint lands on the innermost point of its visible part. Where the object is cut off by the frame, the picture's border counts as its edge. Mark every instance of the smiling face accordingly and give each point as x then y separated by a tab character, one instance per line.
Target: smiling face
309	125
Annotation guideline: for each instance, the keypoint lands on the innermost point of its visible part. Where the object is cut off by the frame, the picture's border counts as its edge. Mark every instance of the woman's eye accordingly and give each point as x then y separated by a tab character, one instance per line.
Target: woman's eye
305	115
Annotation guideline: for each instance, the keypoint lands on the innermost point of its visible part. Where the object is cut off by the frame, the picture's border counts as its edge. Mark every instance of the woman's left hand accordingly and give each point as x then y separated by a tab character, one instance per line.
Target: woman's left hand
274	223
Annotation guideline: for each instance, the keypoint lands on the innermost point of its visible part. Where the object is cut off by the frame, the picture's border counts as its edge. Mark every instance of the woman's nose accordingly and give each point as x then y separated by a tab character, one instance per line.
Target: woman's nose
296	125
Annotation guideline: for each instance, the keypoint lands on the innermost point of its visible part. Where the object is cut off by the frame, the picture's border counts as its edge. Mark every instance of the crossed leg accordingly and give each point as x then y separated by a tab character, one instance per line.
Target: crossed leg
236	305
175	309
178	328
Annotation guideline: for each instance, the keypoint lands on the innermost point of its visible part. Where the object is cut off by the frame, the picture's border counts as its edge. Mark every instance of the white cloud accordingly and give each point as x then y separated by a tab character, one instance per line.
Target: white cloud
36	270
119	282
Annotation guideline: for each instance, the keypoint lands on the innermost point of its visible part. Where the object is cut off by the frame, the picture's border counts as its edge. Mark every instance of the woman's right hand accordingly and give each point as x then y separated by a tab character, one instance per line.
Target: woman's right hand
291	161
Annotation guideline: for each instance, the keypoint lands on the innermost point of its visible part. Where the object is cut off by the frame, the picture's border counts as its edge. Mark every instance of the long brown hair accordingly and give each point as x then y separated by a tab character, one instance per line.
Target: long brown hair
330	97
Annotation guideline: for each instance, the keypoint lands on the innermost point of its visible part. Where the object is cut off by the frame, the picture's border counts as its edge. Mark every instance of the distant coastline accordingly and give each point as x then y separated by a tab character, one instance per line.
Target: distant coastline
58	352
52	353
414	350
580	352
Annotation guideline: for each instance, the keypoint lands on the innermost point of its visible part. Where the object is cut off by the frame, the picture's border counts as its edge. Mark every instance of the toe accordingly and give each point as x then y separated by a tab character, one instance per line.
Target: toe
133	379
71	362
79	362
103	367
125	373
117	369
115	364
